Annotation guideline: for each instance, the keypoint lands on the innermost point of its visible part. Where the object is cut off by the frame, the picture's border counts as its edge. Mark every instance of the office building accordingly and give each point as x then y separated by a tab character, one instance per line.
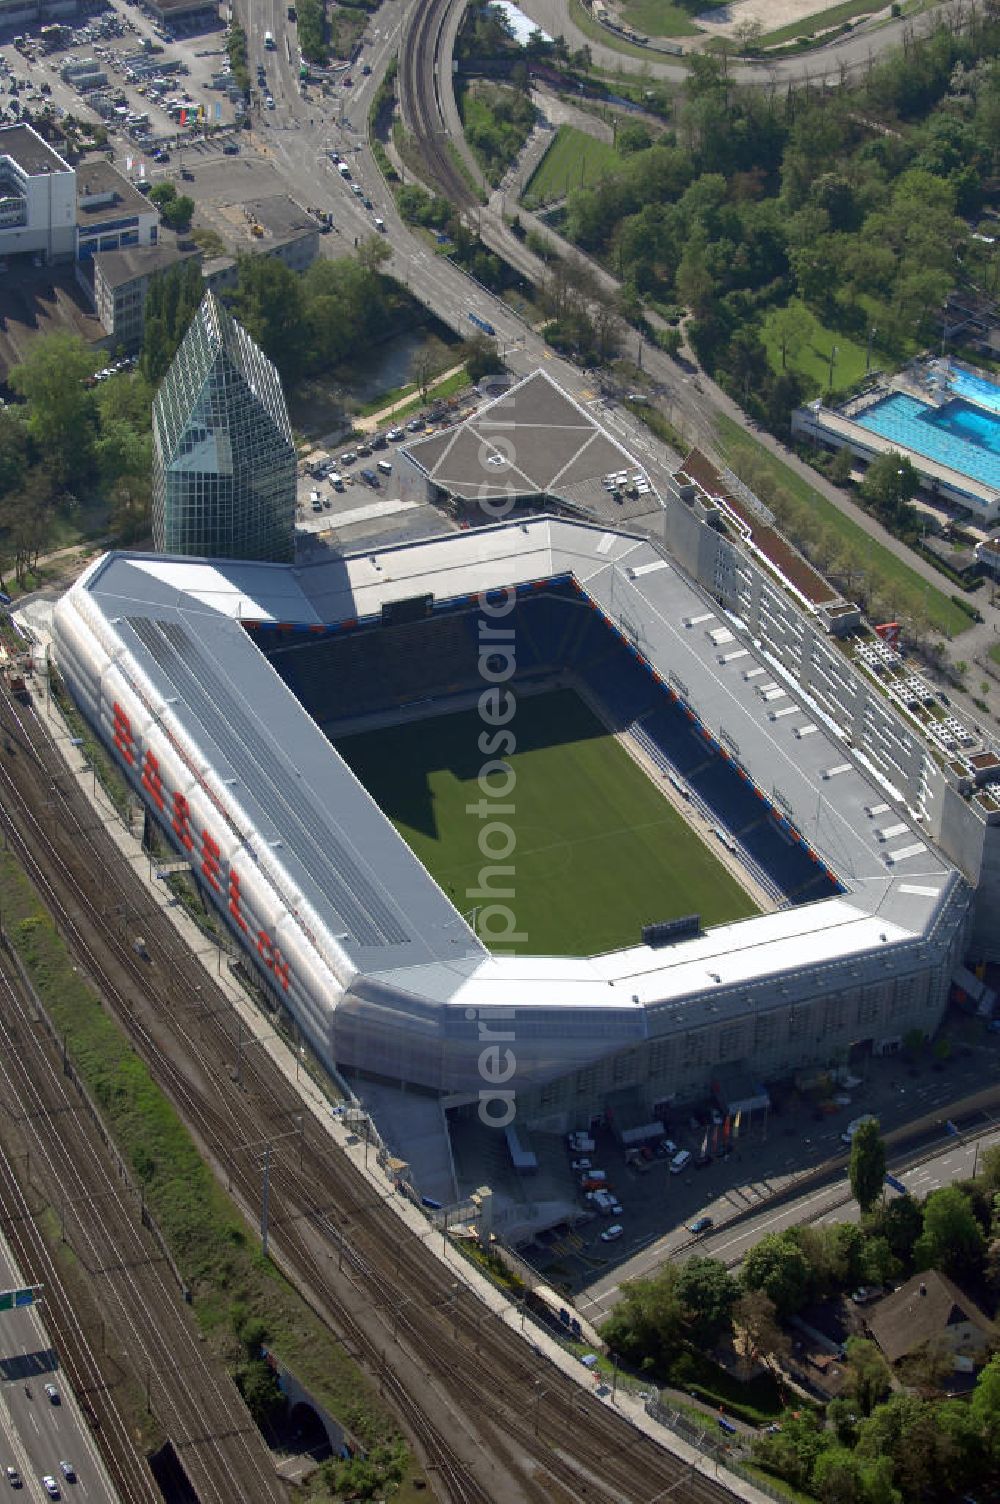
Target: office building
37	197
223	456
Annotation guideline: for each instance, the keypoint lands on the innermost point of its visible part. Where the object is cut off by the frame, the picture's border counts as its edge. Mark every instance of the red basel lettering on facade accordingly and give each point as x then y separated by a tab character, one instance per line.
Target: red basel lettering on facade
211	867
272	958
234	900
175	806
152	780
123	738
182	822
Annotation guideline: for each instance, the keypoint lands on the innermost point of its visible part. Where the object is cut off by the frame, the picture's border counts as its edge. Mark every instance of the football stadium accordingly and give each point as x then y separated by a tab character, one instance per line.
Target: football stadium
516	818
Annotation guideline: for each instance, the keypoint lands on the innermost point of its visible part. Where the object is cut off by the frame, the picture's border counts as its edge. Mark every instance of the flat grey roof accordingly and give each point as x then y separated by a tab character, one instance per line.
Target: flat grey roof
534	440
281	217
27	148
120	267
97	179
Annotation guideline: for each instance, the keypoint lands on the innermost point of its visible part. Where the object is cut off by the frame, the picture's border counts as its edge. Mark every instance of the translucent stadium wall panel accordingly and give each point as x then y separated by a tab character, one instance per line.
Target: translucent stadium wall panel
253	914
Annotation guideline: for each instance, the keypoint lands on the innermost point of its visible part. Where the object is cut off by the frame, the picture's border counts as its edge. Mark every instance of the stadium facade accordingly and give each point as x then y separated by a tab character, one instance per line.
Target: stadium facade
176	663
223	454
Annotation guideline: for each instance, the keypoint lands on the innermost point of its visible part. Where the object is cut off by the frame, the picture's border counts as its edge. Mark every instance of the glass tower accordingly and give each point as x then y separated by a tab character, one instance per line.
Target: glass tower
223	456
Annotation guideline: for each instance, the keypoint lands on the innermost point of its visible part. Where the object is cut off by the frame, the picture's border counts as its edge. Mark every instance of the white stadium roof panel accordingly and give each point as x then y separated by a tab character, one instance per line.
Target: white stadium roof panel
379	952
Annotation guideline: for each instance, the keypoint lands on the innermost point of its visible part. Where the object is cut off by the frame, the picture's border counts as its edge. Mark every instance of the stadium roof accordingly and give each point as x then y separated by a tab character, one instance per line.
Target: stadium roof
180	622
534	440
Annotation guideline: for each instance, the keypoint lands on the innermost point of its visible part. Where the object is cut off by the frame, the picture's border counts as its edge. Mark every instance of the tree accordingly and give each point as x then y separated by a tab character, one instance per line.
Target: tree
13	449
890	481
269	303
867	1172
707	1293
61	418
175	209
424	370
952	1240
763	1340
986	1403
258	1383
373	253
900	1221
632	138
777	1266
171	302
869	1378
789	327
646	1325
481	358
838	1477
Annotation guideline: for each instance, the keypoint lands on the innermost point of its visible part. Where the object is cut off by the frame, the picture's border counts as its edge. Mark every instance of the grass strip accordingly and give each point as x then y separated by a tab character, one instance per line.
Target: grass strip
886	574
218	1256
574	159
821	20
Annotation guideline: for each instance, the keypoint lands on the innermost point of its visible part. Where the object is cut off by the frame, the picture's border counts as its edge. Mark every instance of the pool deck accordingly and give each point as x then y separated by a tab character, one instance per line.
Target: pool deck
984	499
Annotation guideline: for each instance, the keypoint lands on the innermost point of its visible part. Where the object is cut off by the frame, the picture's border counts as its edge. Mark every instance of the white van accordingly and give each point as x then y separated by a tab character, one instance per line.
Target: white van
385	466
336	480
680	1162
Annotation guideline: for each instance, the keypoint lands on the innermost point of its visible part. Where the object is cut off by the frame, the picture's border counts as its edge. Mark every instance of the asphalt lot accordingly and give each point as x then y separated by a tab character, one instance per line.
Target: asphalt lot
201	55
764	1160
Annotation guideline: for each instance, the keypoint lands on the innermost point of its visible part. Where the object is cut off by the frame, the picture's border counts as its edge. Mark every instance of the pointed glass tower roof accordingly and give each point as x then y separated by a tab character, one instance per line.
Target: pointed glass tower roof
223	455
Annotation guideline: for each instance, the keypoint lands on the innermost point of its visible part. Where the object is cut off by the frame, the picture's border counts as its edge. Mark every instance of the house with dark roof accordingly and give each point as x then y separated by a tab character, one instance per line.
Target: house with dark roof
930	1311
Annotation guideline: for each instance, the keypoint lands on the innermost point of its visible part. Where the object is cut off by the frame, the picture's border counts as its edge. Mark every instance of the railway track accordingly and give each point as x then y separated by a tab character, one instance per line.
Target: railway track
420	57
194	1400
522	1429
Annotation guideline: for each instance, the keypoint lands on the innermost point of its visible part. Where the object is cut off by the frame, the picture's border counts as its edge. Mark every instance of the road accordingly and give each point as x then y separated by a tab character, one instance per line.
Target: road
831	1202
37	1433
845	56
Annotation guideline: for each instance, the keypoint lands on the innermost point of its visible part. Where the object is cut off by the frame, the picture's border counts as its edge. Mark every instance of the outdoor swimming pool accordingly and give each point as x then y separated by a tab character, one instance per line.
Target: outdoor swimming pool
977	388
964	437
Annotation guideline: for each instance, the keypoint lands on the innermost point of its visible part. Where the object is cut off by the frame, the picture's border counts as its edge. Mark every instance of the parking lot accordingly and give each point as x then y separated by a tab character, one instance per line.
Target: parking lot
766	1156
146	76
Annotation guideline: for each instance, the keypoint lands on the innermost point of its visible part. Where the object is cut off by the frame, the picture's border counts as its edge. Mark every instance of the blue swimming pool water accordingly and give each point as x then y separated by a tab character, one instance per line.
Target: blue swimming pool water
977	388
964	437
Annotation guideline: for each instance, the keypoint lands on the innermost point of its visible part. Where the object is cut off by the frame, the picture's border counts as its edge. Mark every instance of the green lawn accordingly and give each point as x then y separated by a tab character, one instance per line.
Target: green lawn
811	359
910	591
661	18
599	851
581	17
821	20
573	160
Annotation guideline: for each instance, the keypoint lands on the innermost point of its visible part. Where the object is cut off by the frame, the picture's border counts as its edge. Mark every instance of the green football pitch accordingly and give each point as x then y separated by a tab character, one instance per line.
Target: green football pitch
598	851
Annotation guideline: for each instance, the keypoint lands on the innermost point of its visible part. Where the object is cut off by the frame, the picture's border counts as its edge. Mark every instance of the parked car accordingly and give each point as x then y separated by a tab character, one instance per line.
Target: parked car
348	458
865	1294
700	1224
395	434
847	1137
580	1164
613	1233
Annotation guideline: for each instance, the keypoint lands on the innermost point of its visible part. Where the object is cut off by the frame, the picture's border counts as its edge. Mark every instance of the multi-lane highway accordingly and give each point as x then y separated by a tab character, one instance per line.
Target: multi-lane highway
37	1433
